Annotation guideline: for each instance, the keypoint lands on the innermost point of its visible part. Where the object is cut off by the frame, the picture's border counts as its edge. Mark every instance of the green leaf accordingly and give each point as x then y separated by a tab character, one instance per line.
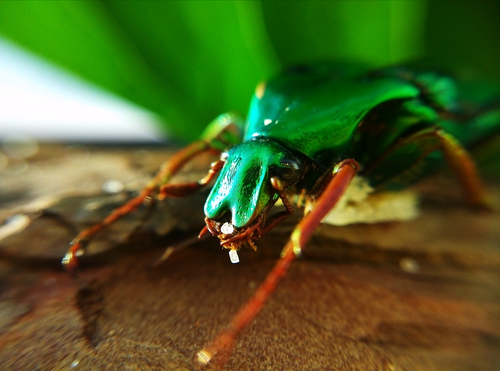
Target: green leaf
189	61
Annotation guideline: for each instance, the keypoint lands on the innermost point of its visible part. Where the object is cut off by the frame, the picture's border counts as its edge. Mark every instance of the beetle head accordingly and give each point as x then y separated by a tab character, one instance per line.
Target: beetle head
254	176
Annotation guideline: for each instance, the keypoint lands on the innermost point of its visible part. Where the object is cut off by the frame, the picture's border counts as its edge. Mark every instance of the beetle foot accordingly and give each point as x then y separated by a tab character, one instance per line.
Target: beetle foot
70	260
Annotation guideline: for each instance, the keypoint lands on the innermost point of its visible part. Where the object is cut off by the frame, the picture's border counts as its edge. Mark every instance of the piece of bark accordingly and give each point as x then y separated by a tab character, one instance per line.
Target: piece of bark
422	295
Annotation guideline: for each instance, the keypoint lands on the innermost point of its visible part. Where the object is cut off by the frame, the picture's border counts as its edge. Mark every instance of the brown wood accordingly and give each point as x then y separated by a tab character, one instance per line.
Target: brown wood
422	295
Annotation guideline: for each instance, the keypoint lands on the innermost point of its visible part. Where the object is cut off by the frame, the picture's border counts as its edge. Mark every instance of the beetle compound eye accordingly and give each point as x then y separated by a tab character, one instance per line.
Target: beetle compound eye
290	164
289	171
224	156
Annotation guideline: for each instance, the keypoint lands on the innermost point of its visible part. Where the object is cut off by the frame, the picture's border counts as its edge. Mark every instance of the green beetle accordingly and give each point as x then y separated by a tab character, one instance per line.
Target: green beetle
397	123
309	131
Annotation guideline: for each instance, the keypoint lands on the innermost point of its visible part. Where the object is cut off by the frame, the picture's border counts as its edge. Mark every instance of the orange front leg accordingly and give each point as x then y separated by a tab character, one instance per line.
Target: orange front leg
343	173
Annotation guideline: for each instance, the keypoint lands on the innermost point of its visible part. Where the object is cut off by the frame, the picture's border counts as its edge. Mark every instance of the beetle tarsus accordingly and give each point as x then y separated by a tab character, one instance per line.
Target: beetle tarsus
70	260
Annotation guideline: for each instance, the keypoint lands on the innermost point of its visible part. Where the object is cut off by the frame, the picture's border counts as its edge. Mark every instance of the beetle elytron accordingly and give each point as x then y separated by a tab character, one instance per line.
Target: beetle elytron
309	131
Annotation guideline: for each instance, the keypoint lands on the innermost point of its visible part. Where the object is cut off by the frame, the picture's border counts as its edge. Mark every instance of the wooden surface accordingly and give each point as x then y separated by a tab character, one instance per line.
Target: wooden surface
422	295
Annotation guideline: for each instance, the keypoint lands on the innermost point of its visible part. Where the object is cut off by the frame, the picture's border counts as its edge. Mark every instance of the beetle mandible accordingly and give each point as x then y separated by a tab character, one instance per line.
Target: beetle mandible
309	132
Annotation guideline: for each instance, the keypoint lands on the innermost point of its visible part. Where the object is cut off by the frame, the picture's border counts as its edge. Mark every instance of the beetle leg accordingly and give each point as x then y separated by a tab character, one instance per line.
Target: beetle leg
465	169
279	217
186	189
341	177
219	134
171	167
429	140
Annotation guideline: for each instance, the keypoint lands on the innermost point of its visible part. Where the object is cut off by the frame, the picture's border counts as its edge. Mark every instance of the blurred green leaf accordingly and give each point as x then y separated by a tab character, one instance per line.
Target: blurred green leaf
189	61
377	32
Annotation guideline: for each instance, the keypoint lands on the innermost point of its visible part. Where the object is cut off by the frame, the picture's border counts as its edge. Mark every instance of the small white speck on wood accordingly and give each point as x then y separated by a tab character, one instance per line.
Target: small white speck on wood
233	256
